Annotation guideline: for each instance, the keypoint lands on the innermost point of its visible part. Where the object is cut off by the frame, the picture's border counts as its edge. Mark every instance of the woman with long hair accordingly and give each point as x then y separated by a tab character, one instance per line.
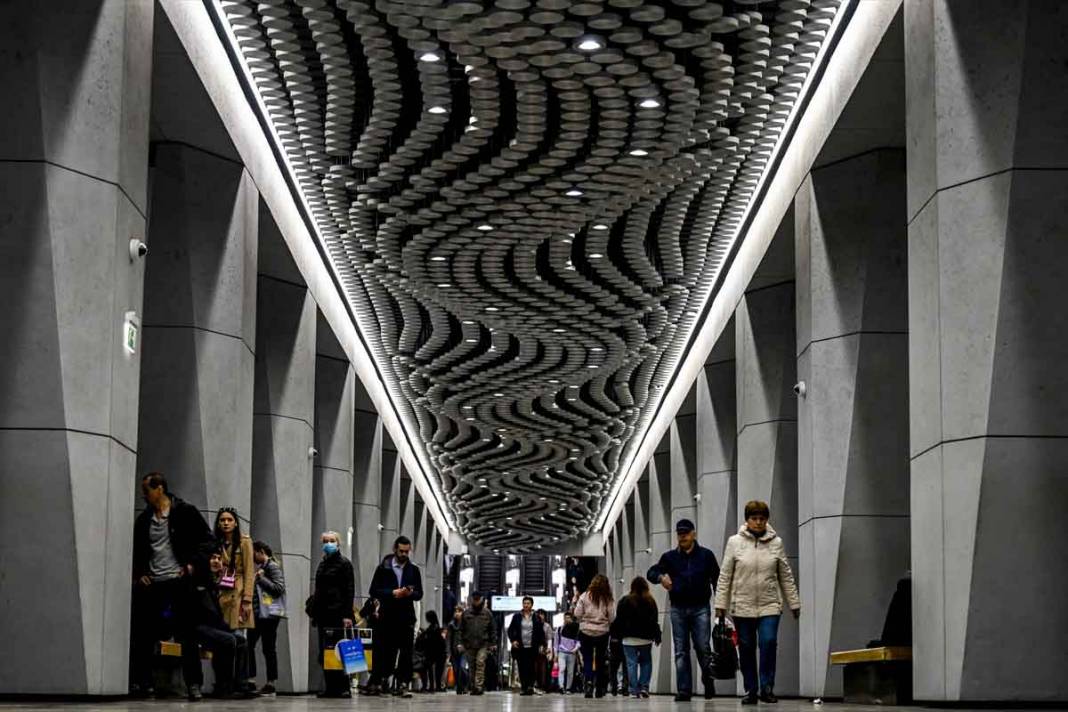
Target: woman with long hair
595	612
238	582
754	580
638	626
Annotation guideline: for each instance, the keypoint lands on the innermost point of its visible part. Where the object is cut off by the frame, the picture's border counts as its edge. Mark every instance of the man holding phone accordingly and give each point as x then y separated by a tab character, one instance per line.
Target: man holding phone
397	584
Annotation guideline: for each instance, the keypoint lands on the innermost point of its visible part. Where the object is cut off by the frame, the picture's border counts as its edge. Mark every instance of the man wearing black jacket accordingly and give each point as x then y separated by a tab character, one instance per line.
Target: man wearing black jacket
397	584
689	574
169	546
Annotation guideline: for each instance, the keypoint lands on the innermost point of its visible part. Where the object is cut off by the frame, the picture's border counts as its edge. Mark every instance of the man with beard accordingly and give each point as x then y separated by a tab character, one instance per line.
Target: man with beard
478	636
397	584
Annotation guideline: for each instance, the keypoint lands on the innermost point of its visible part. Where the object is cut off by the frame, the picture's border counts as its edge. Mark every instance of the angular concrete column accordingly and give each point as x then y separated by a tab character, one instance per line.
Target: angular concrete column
767	414
198	364
661	538
629	571
717	436
683	435
367	495
281	454
392	475
988	343
332	476
73	165
852	354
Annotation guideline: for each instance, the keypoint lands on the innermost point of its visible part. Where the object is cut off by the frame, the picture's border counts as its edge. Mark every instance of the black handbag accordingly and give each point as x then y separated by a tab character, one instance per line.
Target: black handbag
725	655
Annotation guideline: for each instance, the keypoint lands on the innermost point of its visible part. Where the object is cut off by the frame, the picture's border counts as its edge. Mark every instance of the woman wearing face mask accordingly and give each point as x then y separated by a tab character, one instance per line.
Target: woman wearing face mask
331	607
266	605
753	582
239	571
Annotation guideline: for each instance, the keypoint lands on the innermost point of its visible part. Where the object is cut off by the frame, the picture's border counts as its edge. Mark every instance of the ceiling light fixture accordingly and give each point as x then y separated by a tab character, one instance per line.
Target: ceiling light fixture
438	258
429	57
574	193
639	152
600	226
485	227
590	44
437	110
649	104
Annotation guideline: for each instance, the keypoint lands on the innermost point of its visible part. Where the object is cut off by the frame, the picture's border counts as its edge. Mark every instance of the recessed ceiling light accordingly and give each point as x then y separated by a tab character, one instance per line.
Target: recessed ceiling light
429	57
492	309
485	227
590	44
437	110
471	341
596	256
639	152
649	104
444	285
596	348
438	258
559	330
573	193
600	226
593	365
498	395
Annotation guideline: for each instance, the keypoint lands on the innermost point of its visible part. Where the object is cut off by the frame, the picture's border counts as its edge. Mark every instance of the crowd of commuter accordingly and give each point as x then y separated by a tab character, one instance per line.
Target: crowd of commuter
214	589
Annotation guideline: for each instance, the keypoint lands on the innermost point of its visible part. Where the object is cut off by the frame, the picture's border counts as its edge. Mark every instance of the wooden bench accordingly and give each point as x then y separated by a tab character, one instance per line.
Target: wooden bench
876	676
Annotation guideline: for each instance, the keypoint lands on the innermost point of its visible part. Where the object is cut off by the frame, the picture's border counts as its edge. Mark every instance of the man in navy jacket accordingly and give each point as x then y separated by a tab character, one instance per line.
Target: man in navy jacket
689	574
397	584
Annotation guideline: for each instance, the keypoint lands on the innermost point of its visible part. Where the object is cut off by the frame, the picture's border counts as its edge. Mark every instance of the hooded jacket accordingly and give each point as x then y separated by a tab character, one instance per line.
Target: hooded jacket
756	576
477	628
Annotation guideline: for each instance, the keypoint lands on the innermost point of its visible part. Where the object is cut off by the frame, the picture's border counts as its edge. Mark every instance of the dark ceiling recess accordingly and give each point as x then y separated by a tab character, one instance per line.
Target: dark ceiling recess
527	202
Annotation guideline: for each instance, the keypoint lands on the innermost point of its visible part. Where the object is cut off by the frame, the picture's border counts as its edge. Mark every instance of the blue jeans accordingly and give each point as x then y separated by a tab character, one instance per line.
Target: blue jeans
639	666
692	623
750	630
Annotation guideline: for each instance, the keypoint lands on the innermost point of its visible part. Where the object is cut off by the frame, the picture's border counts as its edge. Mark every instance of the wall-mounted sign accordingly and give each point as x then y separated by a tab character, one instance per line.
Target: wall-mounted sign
131	331
512	604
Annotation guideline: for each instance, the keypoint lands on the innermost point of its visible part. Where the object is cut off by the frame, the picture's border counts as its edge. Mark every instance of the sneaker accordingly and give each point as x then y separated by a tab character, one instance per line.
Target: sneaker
194	693
749	699
644	694
268	689
682	697
402	692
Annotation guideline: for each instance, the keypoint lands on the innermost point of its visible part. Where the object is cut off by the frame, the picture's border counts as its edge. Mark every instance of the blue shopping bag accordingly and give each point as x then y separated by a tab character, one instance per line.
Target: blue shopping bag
351	654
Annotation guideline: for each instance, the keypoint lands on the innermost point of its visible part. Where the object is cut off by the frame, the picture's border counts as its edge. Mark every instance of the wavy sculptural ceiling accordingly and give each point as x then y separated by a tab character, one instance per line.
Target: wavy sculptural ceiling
527	202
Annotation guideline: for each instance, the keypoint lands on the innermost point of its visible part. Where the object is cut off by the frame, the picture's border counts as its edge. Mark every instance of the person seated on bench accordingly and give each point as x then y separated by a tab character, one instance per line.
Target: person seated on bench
229	651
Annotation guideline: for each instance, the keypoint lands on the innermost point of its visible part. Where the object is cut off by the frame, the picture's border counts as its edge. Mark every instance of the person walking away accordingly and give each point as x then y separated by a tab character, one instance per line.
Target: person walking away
169	541
755	578
689	573
595	612
543	667
330	607
618	679
567	645
527	636
238	582
455	648
268	609
638	626
434	653
397	583
478	637
229	650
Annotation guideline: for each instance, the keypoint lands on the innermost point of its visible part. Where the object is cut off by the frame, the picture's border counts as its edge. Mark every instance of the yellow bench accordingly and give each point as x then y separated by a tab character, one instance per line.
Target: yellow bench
876	676
171	649
871	655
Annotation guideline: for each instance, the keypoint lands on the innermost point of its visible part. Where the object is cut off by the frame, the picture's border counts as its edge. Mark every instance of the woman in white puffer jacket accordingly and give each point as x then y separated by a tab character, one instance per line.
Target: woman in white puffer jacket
754	579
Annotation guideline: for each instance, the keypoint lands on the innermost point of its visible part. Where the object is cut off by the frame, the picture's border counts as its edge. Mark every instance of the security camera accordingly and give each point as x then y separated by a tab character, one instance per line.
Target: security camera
697	497
312	452
138	249
381	527
799	389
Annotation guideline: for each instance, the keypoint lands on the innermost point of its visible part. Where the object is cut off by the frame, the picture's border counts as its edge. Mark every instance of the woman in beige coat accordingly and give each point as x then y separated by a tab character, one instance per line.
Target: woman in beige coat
754	580
239	575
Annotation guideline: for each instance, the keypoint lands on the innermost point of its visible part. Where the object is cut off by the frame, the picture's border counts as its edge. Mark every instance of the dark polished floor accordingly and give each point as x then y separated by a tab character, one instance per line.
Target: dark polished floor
492	702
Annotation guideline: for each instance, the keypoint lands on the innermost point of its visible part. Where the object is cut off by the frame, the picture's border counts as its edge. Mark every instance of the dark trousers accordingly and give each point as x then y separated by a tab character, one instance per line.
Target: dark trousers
618	663
434	670
266	630
394	645
229	655
335	682
595	648
754	633
159	612
524	659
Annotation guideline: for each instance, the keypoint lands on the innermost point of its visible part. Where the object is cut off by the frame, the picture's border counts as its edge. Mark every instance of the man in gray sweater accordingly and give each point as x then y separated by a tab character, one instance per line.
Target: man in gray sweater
478	636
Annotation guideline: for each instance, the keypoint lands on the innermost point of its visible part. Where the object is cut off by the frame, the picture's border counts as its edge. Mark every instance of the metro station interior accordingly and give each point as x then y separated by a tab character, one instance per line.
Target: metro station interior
539	287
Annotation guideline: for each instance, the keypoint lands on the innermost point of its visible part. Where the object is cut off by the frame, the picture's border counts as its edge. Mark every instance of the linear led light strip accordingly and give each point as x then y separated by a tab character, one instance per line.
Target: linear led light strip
374	387
670	399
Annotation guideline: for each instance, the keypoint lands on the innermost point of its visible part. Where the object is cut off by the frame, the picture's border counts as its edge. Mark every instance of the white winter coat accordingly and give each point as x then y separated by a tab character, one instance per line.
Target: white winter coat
755	576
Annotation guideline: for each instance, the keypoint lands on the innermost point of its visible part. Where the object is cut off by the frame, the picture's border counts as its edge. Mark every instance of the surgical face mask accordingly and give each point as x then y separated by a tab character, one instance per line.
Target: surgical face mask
330	548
